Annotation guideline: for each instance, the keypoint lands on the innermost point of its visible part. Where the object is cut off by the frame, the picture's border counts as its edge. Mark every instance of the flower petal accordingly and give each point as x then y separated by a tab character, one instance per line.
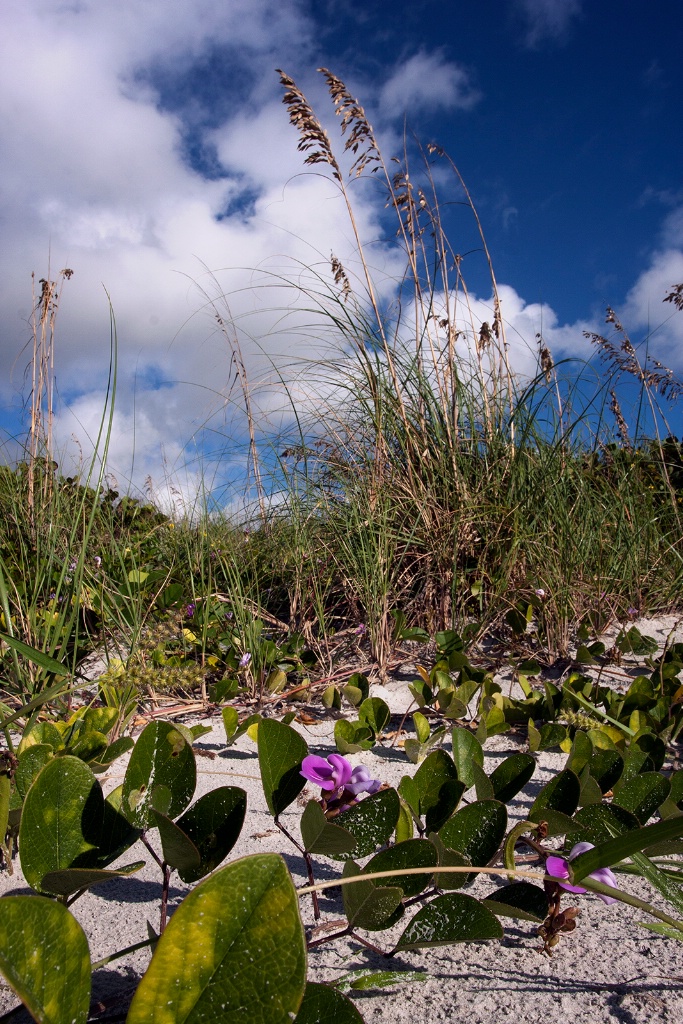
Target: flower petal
342	770
318	770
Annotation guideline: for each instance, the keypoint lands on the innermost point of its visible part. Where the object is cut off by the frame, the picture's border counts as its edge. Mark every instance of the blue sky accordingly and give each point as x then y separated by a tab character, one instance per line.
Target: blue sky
145	146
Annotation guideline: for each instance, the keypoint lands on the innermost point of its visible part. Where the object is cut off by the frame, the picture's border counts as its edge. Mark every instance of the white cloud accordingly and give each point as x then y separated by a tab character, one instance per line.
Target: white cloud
427	82
547	20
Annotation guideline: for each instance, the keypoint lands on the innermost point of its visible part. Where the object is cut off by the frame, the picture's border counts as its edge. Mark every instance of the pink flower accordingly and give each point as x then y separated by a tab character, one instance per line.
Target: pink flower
558	867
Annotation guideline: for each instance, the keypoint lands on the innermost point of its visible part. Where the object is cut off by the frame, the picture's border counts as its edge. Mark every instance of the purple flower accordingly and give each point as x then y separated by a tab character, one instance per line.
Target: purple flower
362	782
362	629
559	868
189	610
341	784
331	773
98	561
245	659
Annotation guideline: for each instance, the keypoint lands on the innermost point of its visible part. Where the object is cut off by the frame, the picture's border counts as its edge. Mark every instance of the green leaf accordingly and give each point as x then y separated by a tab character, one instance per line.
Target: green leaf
454	917
44	956
31	761
600	822
560	794
66	823
213	824
482	783
511	776
669	889
466	749
520	899
476	831
580	753
233	950
662	929
280	752
415	853
371	822
116	749
161	757
71	880
439	789
322	836
375	714
325	1005
615	850
233	730
449	859
405	826
37	657
351	737
363	979
178	850
368	905
421	727
606	767
643	794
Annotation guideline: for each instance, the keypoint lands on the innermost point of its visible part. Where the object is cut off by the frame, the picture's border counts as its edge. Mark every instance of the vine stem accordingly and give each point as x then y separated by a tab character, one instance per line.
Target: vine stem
309	868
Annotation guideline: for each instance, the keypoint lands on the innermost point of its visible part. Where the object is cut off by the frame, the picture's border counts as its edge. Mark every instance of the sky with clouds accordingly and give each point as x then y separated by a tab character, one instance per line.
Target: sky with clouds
146	147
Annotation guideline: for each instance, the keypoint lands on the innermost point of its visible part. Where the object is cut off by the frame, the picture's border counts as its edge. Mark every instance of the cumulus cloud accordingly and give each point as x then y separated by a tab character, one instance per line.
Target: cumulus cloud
427	82
547	20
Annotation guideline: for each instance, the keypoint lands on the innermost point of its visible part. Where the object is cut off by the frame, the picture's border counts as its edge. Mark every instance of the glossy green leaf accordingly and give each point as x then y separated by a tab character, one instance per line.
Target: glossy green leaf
415	853
449	859
676	793
325	1005
213	824
476	831
580	754
322	836
233	728
115	750
410	793
560	794
600	822
511	776
519	899
71	880
66	823
375	714
44	956
466	749
590	790
483	786
551	735
643	794
606	767
280	752
178	850
454	917
371	822
31	761
233	950
615	850
161	757
369	905
405	826
421	725
439	789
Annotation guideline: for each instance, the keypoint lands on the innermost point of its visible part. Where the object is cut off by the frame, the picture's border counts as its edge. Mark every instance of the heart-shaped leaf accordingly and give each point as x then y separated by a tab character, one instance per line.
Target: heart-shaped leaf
44	956
325	1005
280	752
213	824
322	836
454	917
371	822
233	950
161	757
